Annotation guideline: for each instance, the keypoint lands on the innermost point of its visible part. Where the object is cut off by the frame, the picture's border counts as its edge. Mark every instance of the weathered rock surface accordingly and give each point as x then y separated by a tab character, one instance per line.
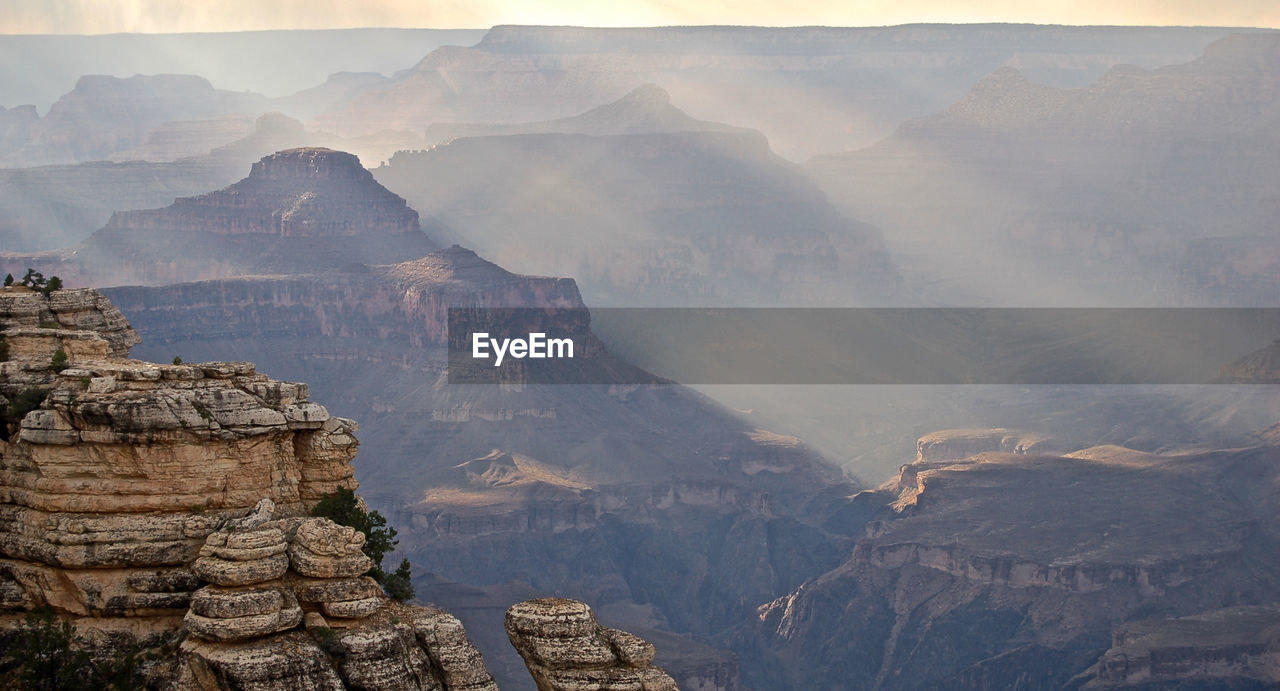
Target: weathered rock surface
141	499
1237	647
298	211
566	650
975	570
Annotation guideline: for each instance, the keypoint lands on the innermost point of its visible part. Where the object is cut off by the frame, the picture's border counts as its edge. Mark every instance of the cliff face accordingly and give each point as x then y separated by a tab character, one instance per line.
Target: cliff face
680	218
1146	184
142	499
299	210
1034	559
648	497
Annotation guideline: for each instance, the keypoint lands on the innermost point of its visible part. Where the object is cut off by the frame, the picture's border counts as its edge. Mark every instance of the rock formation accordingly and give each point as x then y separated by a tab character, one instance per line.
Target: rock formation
566	650
143	499
299	211
607	493
1236	647
975	571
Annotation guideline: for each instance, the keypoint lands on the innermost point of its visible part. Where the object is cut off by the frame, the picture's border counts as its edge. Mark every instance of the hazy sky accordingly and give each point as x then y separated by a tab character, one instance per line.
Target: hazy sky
109	16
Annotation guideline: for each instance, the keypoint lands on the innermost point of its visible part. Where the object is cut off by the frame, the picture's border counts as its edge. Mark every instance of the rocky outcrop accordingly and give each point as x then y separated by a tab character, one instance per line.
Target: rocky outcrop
299	211
955	444
270	575
143	499
976	570
566	650
1233	647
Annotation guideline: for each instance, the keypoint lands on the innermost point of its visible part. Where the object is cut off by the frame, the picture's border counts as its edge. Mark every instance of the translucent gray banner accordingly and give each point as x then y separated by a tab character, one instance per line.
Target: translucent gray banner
862	346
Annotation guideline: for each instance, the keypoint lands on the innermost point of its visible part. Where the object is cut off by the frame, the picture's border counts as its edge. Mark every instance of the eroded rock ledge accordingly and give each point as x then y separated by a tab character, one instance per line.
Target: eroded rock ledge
151	501
157	503
566	650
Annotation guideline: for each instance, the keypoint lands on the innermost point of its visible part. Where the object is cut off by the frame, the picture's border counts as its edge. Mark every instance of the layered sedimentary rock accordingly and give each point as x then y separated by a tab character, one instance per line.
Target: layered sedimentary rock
955	444
1236	647
142	499
299	210
566	650
977	571
609	493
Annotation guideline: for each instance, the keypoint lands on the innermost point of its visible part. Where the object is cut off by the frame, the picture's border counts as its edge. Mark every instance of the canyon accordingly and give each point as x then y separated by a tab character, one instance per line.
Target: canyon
164	508
1145	187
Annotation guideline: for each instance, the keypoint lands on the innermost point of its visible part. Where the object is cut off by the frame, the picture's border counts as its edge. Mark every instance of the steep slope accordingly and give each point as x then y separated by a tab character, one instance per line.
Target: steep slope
161	508
809	89
648	496
303	209
1148	185
661	218
1004	570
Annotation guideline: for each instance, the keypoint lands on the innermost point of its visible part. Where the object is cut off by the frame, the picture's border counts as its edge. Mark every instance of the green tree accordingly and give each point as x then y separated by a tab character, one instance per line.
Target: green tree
177	360
34	279
54	283
399	585
43	654
59	360
8	280
342	507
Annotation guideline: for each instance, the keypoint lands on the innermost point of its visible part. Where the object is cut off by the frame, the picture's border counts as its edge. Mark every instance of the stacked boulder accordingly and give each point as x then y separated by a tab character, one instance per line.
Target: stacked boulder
328	560
246	565
267	576
566	650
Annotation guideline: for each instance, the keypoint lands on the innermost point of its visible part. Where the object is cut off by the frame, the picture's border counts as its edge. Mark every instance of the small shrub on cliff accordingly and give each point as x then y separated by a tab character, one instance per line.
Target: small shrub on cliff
59	360
34	280
177	360
43	656
25	402
343	508
8	280
399	585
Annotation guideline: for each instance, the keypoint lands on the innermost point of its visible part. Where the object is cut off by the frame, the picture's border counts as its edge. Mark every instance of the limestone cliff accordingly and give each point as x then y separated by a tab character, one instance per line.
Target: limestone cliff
145	501
651	498
993	570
